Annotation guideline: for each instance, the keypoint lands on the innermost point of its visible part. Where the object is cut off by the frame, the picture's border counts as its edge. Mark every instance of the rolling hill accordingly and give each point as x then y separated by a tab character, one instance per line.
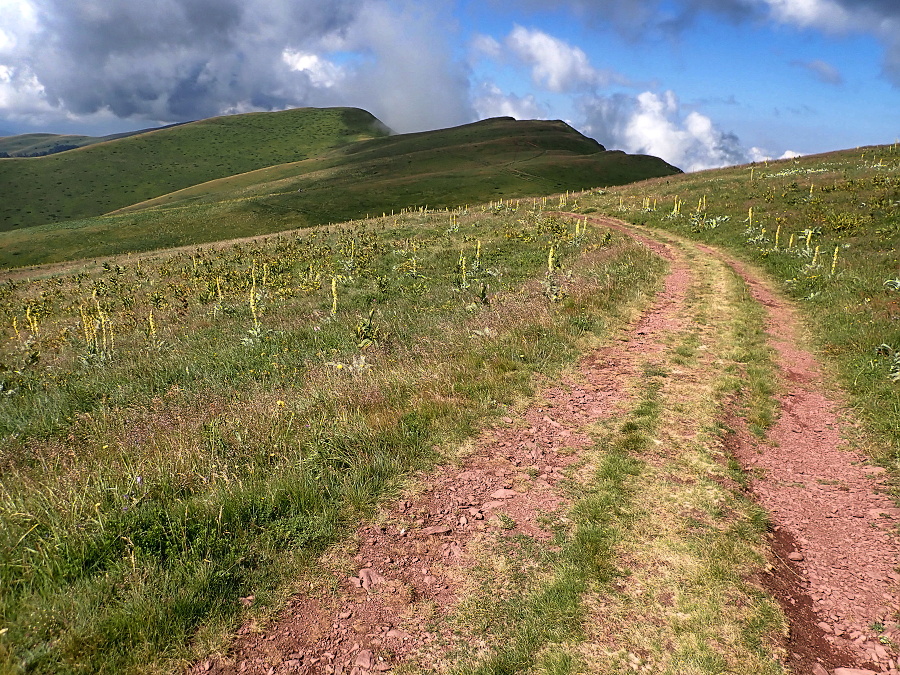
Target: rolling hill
39	145
99	178
333	182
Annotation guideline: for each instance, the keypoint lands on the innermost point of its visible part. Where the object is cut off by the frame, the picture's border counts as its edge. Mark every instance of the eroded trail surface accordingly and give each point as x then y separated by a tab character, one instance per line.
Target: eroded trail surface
432	583
835	524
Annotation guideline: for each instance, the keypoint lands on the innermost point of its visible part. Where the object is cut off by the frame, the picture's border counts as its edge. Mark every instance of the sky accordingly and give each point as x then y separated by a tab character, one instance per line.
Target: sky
700	83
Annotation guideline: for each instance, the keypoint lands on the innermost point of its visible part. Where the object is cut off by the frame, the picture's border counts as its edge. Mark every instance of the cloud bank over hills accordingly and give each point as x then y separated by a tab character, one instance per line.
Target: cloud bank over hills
108	65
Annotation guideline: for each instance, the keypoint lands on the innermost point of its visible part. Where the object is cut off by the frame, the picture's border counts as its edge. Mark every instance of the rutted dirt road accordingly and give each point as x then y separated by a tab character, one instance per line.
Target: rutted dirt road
833	548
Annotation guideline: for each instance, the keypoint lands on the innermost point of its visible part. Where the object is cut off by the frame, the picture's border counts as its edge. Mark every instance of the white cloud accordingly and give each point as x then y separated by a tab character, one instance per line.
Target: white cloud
653	124
18	22
811	13
490	101
822	71
408	77
321	72
555	64
762	155
486	46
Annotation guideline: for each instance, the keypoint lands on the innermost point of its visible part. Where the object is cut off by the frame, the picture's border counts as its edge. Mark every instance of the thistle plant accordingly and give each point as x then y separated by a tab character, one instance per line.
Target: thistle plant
334	296
253	308
676	209
463	280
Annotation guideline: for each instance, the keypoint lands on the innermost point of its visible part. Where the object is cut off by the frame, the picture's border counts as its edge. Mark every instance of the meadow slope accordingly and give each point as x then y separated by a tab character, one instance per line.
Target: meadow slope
633	429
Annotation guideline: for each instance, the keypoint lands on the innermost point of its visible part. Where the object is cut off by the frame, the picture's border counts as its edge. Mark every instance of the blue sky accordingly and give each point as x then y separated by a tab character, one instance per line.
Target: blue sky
701	83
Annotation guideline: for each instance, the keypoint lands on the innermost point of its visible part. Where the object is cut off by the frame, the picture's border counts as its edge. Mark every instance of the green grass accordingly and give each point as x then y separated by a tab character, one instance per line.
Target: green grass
846	201
445	168
182	432
99	178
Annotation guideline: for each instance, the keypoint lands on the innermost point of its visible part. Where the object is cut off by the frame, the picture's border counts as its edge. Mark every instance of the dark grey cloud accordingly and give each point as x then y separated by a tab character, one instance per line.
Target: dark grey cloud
640	19
176	59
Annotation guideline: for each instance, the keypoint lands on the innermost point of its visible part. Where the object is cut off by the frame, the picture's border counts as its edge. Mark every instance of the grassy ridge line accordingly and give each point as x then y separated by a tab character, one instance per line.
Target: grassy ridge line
25	145
444	168
99	178
182	433
825	228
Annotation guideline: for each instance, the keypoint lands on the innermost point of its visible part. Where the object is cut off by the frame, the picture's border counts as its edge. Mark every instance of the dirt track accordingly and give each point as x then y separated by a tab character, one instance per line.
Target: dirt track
834	551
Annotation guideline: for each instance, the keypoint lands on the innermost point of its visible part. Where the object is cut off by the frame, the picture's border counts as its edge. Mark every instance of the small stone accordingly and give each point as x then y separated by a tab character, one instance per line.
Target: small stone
398	634
436	530
365	659
881	652
795	555
369	578
824	626
818	669
503	493
853	671
508	420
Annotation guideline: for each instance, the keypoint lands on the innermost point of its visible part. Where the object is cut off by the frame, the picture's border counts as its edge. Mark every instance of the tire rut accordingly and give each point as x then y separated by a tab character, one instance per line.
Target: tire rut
835	544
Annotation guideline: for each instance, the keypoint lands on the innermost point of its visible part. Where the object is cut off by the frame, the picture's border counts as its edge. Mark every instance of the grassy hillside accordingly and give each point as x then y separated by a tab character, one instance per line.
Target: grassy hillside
500	157
99	178
451	167
33	145
827	228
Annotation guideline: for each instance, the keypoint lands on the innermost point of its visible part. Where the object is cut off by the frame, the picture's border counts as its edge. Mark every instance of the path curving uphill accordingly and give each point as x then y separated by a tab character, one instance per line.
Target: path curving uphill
601	529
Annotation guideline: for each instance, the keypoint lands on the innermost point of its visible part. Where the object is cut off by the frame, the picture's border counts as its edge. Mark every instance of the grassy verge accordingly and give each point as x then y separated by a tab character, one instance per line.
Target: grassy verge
826	229
184	432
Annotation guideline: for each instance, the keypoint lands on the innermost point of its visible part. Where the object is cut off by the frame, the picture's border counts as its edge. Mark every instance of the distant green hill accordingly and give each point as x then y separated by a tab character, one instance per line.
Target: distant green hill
96	179
470	164
38	145
443	168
